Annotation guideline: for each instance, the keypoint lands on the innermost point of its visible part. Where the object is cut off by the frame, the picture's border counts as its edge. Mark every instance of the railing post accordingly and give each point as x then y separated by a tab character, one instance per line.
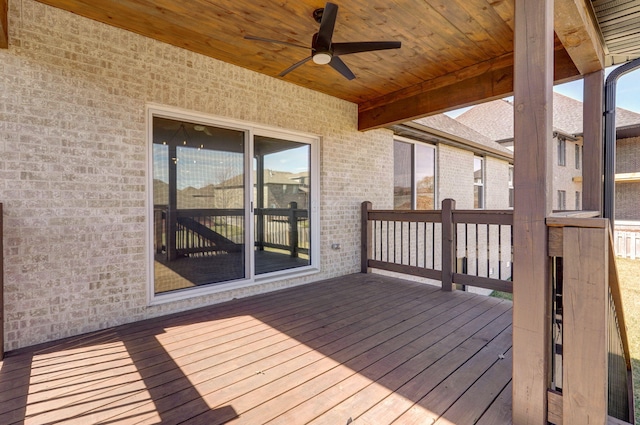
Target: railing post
585	310
448	244
366	249
293	229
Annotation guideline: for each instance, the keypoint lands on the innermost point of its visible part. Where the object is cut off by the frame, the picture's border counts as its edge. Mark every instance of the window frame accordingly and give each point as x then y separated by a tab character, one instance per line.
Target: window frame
578	156
482	184
250	130
562	151
511	187
414	159
562	200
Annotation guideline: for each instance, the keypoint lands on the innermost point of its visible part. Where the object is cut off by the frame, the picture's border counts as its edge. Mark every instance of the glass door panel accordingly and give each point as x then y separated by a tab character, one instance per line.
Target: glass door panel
281	170
199	204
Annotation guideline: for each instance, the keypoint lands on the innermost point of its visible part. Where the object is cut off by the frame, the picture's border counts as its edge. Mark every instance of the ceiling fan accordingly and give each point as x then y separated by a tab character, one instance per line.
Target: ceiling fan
324	51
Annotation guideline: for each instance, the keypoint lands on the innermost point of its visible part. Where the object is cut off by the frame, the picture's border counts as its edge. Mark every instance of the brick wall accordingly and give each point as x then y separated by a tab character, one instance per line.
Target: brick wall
628	193
497	184
455	178
628	155
73	164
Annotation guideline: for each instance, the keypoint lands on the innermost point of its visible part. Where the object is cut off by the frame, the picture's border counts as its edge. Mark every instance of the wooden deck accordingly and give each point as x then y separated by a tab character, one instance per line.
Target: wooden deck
364	347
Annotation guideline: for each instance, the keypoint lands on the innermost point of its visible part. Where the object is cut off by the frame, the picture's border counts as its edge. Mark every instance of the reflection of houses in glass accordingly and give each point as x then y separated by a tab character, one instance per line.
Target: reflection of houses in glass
280	188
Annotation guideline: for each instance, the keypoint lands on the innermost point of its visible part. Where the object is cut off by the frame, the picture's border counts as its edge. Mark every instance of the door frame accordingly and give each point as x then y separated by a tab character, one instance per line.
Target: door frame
250	131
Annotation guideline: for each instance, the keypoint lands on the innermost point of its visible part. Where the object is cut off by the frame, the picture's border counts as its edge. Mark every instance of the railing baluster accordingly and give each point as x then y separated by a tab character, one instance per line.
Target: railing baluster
488	251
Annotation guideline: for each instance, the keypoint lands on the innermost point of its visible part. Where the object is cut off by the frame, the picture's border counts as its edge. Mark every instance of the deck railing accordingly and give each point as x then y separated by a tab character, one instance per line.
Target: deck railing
464	247
591	367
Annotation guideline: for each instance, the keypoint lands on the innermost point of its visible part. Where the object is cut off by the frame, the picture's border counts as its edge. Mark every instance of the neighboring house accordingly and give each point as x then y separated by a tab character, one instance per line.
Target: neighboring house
437	158
495	120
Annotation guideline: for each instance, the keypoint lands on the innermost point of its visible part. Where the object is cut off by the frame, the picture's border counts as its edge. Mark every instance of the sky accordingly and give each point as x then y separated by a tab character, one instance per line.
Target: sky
627	93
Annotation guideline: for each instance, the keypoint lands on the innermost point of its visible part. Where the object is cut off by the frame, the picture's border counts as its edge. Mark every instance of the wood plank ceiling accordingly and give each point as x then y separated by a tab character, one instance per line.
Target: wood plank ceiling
454	52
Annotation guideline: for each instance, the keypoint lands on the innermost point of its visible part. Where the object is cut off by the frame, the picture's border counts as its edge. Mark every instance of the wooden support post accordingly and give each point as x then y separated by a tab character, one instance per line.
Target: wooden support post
366	248
293	228
448	244
585	311
4	24
533	129
593	142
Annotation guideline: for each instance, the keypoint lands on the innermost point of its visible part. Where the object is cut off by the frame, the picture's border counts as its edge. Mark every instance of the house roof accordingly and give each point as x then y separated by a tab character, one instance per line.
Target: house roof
495	119
463	48
445	124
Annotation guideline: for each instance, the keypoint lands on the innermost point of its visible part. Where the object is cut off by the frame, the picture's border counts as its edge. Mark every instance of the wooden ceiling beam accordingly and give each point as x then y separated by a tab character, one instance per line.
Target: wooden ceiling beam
4	24
479	83
576	28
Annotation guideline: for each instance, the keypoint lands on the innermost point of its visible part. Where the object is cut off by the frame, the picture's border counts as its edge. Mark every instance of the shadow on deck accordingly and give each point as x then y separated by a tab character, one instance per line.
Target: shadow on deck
365	347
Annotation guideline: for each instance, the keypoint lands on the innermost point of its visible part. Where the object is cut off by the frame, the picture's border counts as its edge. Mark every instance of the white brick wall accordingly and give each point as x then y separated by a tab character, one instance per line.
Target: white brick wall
455	176
73	166
455	179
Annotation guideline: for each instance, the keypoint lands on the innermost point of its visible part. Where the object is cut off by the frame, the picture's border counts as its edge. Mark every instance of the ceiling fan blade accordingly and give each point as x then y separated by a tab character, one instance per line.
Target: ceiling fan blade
294	66
337	64
363	46
327	24
268	40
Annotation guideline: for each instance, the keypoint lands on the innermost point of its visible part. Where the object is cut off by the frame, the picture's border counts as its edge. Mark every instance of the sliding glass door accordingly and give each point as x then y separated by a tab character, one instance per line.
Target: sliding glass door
281	195
199	204
208	228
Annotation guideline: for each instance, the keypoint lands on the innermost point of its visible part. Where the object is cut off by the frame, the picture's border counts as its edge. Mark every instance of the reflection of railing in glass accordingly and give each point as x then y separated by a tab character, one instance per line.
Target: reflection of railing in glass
206	232
283	228
199	232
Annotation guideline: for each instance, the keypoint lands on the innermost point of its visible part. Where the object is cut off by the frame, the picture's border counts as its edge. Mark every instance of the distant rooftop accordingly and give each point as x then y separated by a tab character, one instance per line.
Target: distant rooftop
495	119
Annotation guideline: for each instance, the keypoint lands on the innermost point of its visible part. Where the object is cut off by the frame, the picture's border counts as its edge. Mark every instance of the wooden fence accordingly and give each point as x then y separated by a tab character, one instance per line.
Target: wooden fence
464	247
627	243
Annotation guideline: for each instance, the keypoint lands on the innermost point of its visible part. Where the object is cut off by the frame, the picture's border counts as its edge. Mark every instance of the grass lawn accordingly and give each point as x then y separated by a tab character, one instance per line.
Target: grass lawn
629	274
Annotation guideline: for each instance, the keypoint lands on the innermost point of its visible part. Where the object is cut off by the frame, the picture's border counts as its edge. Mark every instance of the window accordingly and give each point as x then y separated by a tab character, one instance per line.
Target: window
578	156
562	151
226	208
511	191
478	182
414	176
578	207
562	200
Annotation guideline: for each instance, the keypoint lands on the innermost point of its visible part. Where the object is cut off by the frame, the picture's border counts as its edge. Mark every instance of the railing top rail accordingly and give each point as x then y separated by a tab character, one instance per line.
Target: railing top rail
504	217
428	216
587	221
573	219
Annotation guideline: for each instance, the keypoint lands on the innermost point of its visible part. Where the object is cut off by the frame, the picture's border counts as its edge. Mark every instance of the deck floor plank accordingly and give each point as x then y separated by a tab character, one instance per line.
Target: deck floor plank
170	379
388	370
367	347
385	343
488	325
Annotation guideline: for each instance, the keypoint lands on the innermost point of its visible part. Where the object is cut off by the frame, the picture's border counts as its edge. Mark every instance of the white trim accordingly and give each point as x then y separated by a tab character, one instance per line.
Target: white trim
250	130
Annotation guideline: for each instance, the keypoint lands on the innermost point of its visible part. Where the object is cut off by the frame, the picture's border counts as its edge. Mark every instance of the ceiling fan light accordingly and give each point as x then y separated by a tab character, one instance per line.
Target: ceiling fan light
322	58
